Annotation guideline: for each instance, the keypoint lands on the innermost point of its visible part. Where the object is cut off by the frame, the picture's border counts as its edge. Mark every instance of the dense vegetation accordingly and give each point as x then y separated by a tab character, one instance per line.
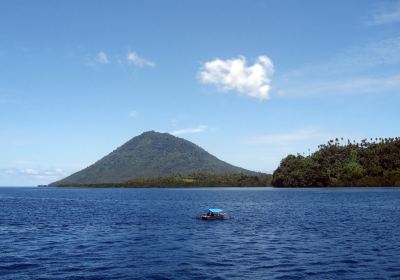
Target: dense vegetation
368	163
153	159
152	154
194	180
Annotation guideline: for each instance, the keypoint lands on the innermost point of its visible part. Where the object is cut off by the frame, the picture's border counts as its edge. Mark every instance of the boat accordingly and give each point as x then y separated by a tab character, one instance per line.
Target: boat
214	214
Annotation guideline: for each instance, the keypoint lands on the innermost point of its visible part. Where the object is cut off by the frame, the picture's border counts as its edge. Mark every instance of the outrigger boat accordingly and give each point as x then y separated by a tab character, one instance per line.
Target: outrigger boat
214	214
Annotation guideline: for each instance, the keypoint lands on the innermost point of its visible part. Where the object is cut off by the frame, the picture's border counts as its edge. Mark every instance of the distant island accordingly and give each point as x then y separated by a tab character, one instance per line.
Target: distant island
155	159
374	162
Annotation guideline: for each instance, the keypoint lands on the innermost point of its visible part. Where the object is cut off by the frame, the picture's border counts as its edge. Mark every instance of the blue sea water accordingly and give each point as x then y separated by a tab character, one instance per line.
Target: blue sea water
57	233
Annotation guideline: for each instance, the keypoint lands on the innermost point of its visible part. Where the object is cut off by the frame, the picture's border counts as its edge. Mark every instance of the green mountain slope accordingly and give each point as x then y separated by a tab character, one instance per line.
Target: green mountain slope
151	154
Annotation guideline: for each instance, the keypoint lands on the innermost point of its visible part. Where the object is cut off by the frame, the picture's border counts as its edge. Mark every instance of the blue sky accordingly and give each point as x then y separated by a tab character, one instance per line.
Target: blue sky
249	81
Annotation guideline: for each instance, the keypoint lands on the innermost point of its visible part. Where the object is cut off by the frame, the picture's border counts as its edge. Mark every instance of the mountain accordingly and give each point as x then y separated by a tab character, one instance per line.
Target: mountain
149	155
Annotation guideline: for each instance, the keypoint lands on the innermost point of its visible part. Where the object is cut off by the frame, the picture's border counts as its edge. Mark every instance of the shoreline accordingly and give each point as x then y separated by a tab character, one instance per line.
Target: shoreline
217	187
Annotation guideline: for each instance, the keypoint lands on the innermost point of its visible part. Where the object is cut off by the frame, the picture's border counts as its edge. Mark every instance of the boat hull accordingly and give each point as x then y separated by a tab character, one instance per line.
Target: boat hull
207	217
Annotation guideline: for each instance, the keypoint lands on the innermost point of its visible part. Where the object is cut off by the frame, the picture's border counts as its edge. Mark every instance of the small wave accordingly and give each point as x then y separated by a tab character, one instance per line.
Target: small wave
18	266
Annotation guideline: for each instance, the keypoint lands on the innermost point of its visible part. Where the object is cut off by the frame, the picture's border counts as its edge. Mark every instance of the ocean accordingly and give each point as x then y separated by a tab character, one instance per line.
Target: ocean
82	233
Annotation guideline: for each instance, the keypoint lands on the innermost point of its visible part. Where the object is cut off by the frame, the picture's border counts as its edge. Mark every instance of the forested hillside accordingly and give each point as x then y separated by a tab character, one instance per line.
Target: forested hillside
152	155
373	162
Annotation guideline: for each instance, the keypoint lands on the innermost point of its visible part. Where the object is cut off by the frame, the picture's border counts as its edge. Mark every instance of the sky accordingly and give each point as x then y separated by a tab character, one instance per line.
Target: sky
249	81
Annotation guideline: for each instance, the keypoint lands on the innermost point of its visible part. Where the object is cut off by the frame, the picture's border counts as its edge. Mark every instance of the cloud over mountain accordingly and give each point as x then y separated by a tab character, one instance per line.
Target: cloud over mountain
197	129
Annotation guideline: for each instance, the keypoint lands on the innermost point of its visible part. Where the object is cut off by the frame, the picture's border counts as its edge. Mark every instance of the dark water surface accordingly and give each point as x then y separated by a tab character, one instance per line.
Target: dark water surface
49	233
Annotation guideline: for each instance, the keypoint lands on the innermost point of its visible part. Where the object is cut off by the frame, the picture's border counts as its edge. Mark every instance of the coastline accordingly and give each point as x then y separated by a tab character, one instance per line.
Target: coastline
219	187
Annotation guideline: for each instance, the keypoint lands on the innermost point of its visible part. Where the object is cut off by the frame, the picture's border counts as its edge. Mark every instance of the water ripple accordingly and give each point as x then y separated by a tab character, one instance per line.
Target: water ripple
150	234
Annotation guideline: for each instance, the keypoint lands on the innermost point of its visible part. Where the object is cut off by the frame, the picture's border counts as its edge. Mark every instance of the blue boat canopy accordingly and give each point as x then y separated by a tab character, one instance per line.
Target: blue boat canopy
214	210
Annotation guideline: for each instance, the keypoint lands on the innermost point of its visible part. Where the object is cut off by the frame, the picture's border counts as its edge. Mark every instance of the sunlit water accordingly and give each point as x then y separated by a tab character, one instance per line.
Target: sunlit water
49	233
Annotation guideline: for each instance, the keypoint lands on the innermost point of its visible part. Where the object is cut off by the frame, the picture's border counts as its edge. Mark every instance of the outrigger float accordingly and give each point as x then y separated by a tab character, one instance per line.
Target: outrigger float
214	214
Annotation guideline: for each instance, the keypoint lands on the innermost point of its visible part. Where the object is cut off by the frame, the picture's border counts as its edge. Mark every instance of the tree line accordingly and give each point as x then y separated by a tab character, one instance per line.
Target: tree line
193	180
339	163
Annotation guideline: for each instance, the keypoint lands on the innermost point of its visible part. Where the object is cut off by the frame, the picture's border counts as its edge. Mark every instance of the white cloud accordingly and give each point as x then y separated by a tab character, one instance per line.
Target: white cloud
133	114
386	14
197	129
135	59
234	74
102	58
264	151
356	85
362	69
59	170
131	58
363	85
284	139
49	174
29	171
352	60
373	54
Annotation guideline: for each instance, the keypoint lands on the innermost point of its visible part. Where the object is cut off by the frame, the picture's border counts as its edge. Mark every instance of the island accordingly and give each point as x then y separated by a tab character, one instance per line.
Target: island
155	159
373	162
